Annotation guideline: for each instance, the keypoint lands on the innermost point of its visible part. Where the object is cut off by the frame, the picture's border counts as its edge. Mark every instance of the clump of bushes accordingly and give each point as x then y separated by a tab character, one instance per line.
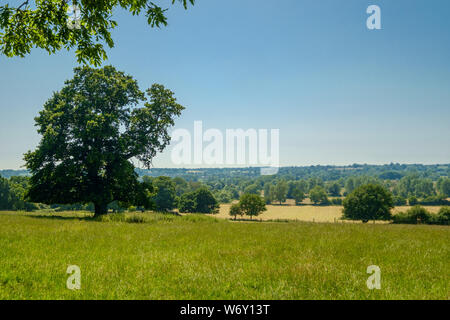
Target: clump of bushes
412	201
443	216
399	201
121	217
199	201
438	200
138	217
336	201
420	215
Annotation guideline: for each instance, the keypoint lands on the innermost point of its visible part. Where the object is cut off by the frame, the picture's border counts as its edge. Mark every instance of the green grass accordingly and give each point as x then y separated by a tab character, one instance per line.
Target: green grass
197	257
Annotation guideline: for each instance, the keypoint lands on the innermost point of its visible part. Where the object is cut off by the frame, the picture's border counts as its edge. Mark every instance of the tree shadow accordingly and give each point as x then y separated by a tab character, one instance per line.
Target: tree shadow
61	217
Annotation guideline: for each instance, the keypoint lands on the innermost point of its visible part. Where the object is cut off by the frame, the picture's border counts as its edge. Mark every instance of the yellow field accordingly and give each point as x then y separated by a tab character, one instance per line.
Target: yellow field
305	212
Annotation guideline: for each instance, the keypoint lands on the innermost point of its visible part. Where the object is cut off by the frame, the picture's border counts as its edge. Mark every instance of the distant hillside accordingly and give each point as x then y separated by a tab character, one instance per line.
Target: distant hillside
393	171
12	173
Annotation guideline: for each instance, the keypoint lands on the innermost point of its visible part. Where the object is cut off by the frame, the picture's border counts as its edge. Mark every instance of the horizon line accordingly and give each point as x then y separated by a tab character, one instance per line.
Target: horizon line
287	166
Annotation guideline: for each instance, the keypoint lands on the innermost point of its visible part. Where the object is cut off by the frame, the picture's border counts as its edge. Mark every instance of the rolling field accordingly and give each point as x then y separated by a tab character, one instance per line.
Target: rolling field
306	212
199	257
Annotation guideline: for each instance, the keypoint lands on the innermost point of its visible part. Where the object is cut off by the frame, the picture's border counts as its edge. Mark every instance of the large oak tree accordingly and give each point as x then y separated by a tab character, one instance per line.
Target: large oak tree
91	130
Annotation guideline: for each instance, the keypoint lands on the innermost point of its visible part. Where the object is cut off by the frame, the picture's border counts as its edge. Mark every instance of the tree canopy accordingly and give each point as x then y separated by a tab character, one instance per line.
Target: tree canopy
45	24
235	210
165	197
368	202
280	191
318	195
91	130
198	201
252	204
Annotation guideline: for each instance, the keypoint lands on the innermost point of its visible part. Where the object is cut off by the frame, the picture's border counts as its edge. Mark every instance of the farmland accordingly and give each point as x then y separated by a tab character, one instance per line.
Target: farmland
309	213
201	257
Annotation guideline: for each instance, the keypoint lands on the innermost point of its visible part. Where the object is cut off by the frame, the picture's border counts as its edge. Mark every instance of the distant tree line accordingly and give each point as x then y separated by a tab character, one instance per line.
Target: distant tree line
393	171
12	194
375	202
165	193
162	194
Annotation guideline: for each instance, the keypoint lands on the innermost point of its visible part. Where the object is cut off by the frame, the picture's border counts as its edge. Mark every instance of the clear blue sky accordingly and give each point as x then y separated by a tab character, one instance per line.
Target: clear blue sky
338	92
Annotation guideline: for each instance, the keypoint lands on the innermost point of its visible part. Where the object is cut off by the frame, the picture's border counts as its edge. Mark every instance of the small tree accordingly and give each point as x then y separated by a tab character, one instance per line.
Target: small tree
253	189
198	201
252	205
334	189
443	186
298	195
318	195
235	210
187	203
205	201
5	194
368	202
281	190
269	193
165	193
224	196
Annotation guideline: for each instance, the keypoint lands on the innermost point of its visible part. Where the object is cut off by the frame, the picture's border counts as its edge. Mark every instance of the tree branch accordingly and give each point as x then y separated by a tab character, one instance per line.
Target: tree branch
23	4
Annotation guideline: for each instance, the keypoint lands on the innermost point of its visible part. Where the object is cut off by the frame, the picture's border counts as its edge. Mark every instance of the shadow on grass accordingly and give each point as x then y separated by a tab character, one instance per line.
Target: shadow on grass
130	217
260	220
60	217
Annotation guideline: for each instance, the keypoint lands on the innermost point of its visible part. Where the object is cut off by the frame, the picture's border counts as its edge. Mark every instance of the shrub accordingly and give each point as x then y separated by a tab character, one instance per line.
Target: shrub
445	210
414	215
135	219
437	200
111	217
419	214
199	218
443	216
399	201
412	201
402	218
336	201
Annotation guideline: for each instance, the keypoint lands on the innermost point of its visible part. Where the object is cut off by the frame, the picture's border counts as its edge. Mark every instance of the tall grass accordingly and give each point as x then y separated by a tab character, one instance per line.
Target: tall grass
199	257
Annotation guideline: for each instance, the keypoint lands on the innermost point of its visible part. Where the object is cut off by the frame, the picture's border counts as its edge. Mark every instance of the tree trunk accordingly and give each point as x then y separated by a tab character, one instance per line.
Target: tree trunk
100	209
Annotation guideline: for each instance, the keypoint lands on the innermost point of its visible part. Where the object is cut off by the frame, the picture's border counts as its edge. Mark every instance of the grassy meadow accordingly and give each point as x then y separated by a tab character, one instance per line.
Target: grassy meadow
154	256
